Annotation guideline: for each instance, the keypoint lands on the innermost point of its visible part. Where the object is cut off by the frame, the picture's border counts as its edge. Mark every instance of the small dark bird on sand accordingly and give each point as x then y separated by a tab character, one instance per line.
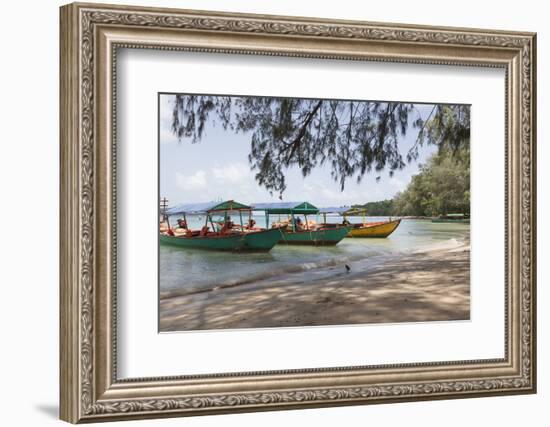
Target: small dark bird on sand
348	268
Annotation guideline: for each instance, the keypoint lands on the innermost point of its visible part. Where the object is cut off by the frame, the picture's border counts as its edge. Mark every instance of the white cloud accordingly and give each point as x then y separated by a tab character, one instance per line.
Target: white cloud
167	137
232	181
232	173
236	181
325	192
166	106
340	197
397	183
196	181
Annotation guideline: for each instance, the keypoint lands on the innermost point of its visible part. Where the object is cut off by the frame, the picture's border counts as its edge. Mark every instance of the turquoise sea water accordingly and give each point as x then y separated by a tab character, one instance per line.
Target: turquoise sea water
189	270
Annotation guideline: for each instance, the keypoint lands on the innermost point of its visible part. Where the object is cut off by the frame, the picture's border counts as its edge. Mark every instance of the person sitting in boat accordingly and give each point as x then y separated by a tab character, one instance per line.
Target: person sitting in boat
298	224
182	224
251	224
163	225
204	231
227	226
230	224
346	222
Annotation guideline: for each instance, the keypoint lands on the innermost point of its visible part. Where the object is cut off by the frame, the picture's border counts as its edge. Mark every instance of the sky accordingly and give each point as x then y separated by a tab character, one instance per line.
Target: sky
217	168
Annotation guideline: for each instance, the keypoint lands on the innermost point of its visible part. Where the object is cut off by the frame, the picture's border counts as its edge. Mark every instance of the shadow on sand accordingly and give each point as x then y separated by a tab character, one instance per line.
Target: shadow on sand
412	288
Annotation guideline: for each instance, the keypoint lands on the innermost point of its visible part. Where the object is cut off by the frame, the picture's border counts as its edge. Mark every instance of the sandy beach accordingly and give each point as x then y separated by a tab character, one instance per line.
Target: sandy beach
429	285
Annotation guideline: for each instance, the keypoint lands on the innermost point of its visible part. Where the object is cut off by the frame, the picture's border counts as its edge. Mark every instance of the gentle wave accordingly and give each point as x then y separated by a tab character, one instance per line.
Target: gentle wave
445	245
297	268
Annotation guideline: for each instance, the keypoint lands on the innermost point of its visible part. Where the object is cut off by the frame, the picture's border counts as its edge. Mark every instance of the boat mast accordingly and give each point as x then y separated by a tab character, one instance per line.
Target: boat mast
163	208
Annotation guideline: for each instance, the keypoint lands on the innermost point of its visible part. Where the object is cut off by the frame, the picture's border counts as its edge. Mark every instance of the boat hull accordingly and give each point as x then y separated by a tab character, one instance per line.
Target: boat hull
262	240
376	230
324	237
259	241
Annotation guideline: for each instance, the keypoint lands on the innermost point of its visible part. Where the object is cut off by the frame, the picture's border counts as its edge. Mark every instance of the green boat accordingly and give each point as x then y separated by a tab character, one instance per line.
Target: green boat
454	218
295	234
324	237
229	238
257	241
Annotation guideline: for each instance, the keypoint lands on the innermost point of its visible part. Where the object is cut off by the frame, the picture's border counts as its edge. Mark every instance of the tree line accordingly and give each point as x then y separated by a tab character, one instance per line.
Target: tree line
442	186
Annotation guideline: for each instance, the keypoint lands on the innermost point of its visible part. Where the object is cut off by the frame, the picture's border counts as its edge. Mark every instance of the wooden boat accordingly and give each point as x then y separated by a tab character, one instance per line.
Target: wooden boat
260	241
295	234
321	237
453	217
238	239
377	229
374	229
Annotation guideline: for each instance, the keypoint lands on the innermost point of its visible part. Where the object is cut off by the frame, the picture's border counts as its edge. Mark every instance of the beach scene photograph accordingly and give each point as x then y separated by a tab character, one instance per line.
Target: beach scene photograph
298	212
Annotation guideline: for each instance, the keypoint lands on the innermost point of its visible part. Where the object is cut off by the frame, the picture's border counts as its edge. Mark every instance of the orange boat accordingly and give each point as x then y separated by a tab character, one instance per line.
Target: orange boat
376	229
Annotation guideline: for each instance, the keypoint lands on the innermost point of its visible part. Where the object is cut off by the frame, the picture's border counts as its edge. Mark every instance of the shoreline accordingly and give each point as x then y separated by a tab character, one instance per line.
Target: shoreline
431	284
308	267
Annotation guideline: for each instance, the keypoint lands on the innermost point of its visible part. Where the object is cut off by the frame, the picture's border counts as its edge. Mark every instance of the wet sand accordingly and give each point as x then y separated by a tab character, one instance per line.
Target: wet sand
432	285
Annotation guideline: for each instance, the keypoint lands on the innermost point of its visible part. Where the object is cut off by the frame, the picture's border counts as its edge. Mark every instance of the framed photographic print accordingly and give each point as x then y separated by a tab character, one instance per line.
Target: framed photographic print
265	212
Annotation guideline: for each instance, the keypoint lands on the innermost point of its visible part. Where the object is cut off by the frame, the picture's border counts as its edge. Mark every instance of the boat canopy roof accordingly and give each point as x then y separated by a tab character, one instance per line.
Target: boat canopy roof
355	211
206	207
345	210
341	210
304	208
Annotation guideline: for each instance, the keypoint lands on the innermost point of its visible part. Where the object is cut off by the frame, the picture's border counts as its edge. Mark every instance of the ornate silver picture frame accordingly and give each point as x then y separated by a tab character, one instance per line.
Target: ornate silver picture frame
91	34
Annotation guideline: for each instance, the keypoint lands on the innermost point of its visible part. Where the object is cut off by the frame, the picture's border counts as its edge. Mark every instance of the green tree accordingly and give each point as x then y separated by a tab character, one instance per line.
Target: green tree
352	137
379	208
442	186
